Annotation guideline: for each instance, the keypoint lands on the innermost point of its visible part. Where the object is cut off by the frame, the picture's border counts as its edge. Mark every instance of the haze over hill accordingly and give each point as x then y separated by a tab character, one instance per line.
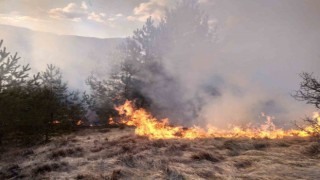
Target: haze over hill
76	56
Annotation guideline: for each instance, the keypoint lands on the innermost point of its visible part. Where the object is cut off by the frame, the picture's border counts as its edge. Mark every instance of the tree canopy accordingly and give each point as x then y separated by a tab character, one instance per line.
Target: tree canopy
142	72
33	108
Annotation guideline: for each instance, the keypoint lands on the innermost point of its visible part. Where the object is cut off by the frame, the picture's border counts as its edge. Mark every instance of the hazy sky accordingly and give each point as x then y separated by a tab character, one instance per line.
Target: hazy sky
115	18
98	18
273	35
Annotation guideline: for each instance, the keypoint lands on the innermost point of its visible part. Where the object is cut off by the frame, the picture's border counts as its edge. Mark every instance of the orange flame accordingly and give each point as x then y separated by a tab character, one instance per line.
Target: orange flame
111	121
147	125
55	122
79	123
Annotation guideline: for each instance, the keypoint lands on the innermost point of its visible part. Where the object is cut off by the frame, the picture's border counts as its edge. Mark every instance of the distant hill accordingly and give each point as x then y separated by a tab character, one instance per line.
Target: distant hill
76	56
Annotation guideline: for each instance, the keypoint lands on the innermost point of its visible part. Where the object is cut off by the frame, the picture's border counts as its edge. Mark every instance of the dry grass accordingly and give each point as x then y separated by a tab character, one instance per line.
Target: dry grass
312	150
119	154
203	155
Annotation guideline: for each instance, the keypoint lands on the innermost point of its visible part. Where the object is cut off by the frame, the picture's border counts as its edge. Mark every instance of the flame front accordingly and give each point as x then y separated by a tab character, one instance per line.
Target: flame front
55	122
79	123
147	125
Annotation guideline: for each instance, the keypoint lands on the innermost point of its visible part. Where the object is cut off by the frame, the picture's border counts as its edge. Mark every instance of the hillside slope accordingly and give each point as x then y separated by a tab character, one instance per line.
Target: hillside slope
118	154
76	56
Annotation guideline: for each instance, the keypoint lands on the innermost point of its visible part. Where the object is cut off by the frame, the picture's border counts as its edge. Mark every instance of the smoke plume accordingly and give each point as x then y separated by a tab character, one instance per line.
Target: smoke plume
231	80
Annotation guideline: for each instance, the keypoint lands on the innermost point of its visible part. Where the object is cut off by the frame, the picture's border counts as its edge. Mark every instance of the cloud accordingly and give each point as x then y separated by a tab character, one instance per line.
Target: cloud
84	5
14	18
73	18
154	8
119	15
115	17
203	1
96	17
213	23
77	13
71	11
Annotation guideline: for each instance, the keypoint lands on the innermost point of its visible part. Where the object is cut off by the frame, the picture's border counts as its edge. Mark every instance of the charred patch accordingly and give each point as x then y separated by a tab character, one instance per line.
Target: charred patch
159	143
172	173
231	145
86	177
116	174
241	164
261	145
282	144
68	152
203	155
128	160
48	167
312	150
205	174
11	171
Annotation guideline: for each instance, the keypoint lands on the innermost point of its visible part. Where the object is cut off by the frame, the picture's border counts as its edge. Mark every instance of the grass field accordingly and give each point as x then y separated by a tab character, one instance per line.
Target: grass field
119	154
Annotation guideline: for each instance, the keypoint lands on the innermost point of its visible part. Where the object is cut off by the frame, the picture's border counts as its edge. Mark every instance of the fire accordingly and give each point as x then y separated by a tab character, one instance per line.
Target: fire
79	123
316	115
55	122
111	121
147	125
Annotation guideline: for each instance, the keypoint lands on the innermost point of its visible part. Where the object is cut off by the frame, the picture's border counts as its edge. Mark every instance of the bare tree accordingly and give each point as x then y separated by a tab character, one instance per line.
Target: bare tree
310	92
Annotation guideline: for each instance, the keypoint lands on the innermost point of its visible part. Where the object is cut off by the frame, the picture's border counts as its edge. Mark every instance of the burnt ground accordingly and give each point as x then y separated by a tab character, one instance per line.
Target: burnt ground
119	154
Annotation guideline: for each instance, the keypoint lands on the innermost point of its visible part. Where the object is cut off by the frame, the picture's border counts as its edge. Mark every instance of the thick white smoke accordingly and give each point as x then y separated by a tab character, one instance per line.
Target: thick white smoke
248	71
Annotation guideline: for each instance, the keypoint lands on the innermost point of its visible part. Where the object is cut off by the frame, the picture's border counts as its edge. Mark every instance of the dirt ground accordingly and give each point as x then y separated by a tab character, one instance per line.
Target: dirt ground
119	154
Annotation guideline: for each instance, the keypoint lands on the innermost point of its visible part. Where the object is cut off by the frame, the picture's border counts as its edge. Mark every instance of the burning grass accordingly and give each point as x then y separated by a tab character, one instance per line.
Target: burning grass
124	155
155	150
147	125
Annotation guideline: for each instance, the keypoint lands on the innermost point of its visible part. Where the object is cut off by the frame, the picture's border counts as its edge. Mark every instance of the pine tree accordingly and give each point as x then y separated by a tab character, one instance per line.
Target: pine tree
11	72
14	82
141	75
62	105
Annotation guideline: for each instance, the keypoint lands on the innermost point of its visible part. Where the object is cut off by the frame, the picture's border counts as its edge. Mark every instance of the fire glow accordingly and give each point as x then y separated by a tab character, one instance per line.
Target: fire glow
147	125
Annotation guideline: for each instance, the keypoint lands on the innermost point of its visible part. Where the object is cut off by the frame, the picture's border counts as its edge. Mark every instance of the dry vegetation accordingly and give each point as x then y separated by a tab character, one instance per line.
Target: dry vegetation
119	154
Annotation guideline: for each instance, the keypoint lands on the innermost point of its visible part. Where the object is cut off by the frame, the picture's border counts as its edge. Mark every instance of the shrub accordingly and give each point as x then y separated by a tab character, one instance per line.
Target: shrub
312	150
